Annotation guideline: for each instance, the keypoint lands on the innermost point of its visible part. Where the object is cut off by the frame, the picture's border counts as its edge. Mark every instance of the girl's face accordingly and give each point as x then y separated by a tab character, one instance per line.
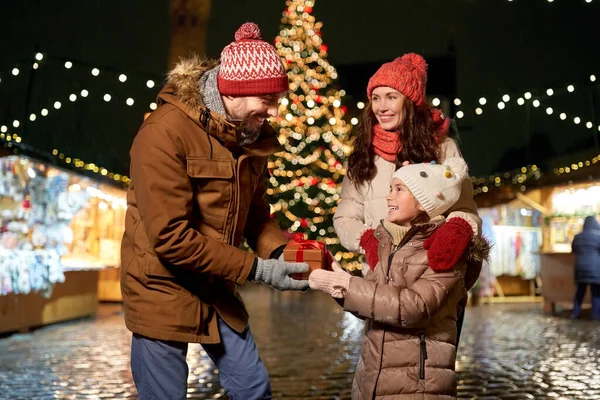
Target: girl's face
387	107
402	205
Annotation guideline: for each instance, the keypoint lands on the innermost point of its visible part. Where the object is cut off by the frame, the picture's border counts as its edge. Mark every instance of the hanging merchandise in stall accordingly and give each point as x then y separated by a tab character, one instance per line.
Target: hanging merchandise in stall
515	231
52	221
515	251
570	206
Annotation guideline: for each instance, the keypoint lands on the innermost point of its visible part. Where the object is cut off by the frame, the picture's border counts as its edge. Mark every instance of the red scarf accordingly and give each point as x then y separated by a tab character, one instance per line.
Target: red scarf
386	144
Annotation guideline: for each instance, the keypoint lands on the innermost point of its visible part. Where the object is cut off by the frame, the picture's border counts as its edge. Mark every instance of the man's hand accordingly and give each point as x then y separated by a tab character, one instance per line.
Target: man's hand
275	273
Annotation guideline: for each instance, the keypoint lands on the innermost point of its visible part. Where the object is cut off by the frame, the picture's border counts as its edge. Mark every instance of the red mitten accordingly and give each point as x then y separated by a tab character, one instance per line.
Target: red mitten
448	243
369	243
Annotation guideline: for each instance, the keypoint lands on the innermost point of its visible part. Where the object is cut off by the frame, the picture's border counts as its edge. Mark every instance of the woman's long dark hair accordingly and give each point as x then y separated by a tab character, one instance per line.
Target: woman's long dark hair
417	138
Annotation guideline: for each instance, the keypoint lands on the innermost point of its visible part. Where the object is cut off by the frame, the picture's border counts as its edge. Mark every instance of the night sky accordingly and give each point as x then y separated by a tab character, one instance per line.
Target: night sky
501	47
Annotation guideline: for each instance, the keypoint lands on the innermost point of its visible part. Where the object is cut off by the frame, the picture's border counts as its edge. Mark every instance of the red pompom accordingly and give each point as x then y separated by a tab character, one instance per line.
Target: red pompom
249	30
415	60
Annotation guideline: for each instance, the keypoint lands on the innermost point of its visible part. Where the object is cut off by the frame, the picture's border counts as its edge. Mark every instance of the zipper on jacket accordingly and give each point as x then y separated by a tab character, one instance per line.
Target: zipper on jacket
204	119
423	357
236	198
387	280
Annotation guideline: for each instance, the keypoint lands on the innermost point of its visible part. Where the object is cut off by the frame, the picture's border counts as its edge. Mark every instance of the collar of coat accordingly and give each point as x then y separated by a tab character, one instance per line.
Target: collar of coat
419	231
182	90
477	251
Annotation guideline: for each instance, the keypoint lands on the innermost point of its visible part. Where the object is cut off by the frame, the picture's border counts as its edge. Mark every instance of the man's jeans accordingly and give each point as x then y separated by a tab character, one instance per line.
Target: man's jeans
160	370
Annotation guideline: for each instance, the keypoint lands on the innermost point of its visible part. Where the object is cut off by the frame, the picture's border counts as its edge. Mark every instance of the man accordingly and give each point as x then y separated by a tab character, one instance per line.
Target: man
198	172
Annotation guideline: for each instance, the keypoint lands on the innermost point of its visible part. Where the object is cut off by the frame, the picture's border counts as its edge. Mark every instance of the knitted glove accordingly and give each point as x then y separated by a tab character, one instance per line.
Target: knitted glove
275	273
448	243
369	243
335	283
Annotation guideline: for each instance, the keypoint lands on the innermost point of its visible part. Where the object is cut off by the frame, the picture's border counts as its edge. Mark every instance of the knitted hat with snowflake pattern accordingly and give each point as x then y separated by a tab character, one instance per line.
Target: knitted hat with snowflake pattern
250	66
436	187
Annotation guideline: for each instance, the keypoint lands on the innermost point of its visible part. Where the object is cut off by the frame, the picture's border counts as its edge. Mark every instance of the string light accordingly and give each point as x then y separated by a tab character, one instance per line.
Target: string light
567	169
521	100
78	163
519	177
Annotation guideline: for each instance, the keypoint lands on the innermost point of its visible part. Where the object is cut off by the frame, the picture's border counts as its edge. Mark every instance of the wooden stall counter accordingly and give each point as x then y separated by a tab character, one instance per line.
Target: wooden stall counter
558	280
109	284
76	297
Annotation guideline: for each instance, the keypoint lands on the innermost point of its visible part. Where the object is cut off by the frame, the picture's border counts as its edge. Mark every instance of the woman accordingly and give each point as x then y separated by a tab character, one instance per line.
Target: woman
399	127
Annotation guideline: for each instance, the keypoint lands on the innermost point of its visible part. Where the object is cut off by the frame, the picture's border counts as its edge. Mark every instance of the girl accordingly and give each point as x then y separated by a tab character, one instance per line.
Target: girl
410	306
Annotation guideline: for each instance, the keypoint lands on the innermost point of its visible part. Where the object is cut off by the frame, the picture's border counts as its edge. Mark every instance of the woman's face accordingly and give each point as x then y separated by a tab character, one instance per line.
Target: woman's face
387	107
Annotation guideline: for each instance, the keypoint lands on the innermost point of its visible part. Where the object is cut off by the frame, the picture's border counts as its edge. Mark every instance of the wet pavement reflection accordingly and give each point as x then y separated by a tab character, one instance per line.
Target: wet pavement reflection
310	348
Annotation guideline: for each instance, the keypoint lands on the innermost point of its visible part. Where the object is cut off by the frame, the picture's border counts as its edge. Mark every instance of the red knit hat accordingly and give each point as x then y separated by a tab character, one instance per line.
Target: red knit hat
406	74
250	66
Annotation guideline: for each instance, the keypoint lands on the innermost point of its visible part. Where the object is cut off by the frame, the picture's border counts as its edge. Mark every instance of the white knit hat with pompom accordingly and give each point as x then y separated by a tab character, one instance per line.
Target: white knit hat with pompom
436	187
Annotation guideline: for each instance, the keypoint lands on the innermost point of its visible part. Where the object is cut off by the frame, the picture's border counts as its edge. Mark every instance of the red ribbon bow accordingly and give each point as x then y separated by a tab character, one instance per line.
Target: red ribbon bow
305	245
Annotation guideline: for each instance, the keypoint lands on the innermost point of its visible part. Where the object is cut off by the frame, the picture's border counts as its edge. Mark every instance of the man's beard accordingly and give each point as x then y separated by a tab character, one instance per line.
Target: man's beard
249	131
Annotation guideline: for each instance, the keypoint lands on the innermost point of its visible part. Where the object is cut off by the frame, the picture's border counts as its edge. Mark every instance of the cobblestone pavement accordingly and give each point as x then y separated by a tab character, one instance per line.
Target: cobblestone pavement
310	348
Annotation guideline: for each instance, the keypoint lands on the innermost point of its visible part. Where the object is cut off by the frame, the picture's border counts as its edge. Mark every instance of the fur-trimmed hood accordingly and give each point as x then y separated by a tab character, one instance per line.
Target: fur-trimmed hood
476	254
184	79
183	90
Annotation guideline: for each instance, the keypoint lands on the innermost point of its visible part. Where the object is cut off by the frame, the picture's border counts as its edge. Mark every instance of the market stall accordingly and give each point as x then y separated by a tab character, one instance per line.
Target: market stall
58	230
515	231
567	205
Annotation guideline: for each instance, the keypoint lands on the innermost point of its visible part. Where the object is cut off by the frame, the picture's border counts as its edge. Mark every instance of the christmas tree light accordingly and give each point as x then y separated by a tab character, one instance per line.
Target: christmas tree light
305	183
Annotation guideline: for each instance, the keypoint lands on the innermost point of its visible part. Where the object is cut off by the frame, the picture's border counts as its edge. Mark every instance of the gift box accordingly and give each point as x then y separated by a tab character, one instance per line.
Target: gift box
312	252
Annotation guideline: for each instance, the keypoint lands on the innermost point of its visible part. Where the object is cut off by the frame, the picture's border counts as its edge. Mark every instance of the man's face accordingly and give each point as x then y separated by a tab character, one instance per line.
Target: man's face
253	110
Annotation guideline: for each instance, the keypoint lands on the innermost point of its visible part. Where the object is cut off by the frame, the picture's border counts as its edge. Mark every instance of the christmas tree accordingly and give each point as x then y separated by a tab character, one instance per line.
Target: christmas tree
306	177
